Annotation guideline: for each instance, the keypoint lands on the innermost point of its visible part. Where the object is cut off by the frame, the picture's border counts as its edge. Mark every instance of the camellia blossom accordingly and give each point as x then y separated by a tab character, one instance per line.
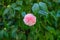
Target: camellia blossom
29	19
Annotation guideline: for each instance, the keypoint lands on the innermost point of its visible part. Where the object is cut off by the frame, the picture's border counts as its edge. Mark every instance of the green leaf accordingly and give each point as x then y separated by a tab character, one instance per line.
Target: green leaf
58	13
6	34
1	34
53	14
42	12
19	2
21	36
13	32
23	14
13	5
18	8
11	13
57	1
51	30
6	11
43	6
35	8
28	2
49	36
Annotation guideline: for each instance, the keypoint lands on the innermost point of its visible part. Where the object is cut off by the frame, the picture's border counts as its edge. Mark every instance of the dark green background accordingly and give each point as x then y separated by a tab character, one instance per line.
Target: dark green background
12	26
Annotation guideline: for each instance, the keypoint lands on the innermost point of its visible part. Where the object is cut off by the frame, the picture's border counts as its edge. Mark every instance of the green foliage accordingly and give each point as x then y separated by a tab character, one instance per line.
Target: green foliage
47	14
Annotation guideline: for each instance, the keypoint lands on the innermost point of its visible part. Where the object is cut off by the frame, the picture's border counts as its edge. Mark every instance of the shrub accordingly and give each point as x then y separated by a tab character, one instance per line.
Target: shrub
12	26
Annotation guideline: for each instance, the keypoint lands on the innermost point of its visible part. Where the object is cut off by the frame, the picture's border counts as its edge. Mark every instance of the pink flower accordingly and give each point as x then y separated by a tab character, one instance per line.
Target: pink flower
29	19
